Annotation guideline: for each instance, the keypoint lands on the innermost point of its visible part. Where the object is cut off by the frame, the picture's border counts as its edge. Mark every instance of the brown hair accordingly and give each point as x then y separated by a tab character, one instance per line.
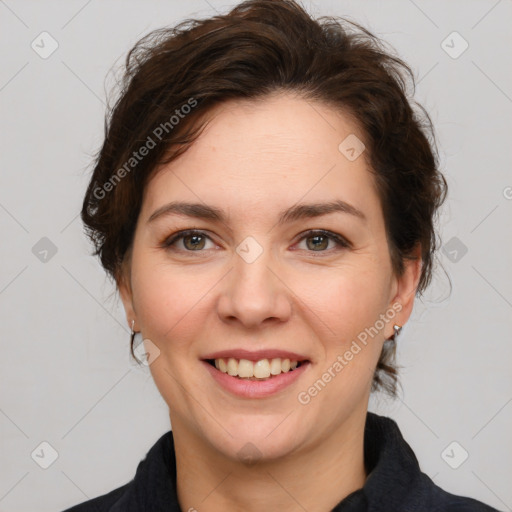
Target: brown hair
173	77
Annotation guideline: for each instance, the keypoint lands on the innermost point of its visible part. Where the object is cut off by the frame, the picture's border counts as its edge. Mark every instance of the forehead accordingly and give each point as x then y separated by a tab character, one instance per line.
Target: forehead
278	149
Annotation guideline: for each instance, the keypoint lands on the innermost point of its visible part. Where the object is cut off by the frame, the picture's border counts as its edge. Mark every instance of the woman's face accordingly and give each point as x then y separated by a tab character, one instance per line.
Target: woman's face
256	281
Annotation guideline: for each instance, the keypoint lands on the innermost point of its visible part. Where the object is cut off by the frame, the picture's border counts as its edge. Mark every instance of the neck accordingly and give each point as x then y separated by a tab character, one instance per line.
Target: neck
316	477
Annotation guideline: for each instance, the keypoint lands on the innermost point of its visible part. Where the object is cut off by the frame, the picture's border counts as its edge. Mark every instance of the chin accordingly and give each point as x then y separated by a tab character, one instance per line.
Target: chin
251	438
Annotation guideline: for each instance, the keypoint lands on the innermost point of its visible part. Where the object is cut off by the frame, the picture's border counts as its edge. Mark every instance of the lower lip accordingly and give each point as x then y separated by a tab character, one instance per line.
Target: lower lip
253	388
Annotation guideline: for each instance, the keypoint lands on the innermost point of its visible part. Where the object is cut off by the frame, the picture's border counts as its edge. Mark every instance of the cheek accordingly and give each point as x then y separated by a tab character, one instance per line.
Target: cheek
170	307
170	300
350	306
347	299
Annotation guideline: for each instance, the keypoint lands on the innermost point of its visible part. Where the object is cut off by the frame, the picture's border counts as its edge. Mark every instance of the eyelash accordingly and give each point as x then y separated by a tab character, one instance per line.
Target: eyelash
338	239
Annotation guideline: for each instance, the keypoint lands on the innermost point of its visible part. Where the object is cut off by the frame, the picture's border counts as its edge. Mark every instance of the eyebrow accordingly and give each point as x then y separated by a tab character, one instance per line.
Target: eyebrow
294	213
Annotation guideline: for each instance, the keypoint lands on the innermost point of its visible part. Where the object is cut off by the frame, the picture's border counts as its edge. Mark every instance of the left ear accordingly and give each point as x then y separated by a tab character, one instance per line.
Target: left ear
406	286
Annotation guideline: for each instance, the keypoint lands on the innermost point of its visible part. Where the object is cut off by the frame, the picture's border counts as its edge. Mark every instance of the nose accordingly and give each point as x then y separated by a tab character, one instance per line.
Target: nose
254	294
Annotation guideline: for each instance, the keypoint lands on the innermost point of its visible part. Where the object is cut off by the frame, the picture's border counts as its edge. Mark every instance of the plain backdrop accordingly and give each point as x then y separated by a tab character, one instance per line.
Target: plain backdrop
67	380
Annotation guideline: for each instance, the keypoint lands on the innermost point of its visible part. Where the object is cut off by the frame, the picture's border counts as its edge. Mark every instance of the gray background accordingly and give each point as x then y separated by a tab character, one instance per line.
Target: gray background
66	375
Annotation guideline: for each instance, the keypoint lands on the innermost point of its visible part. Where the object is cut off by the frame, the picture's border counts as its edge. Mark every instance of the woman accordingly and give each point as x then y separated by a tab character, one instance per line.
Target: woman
265	201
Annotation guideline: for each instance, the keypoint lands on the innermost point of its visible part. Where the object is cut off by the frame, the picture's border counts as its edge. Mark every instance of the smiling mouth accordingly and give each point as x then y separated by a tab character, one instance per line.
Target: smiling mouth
264	369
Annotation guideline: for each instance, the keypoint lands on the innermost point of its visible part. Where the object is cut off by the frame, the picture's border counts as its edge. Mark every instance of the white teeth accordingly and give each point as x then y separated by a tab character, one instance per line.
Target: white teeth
223	367
232	368
245	368
275	366
262	369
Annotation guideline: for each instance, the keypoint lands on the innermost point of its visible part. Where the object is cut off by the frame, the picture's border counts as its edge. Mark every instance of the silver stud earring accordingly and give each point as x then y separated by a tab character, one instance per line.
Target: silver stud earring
397	329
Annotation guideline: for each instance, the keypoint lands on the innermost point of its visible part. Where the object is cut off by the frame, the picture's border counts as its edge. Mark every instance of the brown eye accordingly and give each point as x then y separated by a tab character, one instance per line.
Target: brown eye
192	241
318	241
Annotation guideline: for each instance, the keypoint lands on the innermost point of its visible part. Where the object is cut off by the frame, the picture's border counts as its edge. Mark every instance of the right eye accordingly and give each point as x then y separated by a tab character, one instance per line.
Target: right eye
192	240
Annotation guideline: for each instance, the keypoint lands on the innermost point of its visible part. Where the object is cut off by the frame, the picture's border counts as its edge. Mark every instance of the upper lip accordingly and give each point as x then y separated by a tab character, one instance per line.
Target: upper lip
256	355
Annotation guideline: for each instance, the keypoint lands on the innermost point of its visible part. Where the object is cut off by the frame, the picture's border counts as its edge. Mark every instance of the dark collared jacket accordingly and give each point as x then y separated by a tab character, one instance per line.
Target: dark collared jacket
395	482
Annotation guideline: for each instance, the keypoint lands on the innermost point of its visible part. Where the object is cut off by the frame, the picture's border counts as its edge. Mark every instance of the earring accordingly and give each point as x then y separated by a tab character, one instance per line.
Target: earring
132	333
397	329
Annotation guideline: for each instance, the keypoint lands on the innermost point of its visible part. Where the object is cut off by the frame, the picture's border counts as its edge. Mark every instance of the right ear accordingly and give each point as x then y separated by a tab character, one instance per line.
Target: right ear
125	291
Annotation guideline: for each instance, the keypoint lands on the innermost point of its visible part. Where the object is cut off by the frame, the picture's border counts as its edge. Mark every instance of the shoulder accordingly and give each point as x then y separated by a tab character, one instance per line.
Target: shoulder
102	503
452	503
397	476
463	504
440	500
153	482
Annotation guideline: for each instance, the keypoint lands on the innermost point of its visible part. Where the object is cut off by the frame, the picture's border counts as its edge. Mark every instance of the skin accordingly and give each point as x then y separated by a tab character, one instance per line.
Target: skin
254	159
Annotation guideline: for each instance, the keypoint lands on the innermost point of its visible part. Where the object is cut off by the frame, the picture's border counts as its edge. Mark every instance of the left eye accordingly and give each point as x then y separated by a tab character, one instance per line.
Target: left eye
194	241
320	240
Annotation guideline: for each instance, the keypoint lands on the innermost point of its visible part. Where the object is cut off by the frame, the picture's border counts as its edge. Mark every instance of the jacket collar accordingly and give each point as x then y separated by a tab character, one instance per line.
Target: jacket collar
392	468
